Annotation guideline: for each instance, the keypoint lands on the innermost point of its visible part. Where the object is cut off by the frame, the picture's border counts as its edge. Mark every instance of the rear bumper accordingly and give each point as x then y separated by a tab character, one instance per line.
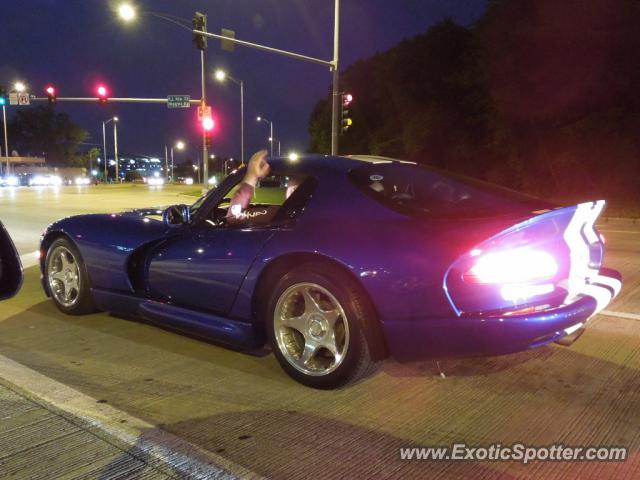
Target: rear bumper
479	335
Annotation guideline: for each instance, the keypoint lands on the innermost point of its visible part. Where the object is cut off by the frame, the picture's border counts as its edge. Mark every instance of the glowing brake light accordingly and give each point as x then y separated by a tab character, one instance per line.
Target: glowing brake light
512	266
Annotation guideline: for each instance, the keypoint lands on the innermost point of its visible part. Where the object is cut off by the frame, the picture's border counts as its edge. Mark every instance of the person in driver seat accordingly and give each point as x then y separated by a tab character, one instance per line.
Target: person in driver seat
257	168
239	210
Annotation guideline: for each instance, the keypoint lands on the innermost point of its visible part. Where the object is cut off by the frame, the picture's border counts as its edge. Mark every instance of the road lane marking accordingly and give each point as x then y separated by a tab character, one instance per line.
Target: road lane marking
30	259
158	446
630	316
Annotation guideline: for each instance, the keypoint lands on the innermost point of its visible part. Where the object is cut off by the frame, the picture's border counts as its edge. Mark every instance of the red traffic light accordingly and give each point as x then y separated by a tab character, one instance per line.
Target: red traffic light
51	94
347	98
102	92
208	124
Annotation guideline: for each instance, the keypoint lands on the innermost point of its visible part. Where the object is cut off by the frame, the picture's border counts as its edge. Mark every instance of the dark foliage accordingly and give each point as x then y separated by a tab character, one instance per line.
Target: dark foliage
41	131
539	95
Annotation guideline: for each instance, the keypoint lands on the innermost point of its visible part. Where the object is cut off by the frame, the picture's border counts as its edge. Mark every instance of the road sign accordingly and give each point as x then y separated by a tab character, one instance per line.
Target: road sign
24	99
13	98
204	112
178	101
226	44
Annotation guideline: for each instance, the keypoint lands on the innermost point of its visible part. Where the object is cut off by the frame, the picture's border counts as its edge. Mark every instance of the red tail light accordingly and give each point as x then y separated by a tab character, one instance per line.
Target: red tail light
514	266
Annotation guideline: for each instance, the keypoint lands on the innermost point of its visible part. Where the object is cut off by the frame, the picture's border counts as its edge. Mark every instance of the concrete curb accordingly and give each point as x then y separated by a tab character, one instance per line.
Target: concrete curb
156	447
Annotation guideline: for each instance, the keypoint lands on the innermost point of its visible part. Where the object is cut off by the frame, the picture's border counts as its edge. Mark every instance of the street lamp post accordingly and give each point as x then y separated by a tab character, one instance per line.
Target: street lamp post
262	119
115	148
271	140
180	146
6	141
128	13
221	75
104	145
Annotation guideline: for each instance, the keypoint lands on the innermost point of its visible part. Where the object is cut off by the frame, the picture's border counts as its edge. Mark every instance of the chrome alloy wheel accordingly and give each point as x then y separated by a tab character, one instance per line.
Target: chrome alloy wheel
63	274
311	329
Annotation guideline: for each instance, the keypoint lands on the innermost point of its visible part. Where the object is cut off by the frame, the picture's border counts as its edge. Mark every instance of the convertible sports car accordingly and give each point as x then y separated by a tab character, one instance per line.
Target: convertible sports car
340	262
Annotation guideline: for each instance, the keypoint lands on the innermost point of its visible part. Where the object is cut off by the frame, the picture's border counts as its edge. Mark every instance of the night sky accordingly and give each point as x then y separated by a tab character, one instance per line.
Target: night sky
74	44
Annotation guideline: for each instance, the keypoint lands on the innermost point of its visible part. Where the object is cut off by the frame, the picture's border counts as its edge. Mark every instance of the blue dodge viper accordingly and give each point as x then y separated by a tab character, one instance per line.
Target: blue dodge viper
340	262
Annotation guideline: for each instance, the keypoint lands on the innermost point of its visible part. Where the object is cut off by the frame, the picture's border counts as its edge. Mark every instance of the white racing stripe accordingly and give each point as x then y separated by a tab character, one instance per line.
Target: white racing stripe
630	316
30	259
161	449
573	328
614	283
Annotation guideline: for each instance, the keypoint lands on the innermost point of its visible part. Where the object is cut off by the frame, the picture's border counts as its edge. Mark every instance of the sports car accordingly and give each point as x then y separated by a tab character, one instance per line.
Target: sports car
340	262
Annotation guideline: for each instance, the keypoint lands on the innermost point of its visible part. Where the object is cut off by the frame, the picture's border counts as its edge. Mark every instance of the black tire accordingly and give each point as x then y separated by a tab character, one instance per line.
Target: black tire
82	303
356	362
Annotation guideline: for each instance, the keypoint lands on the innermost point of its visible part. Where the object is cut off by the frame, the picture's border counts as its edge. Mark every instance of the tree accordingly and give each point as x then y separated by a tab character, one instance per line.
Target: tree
40	130
538	95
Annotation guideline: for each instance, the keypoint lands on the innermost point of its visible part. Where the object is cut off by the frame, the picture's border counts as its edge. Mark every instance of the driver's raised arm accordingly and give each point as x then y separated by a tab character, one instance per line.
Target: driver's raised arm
257	168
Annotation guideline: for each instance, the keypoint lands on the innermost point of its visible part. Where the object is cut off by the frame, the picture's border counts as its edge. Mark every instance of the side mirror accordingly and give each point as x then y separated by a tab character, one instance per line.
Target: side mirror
176	216
10	266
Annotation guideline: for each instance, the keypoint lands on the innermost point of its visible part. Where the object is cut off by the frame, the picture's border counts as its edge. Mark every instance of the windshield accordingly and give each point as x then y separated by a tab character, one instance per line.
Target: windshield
419	190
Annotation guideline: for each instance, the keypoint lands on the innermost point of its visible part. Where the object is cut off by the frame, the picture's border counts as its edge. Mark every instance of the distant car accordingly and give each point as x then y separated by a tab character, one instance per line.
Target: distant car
368	257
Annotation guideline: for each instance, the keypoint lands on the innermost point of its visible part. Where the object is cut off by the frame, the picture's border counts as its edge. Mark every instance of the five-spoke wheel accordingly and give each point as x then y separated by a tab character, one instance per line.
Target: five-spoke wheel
66	278
316	320
311	329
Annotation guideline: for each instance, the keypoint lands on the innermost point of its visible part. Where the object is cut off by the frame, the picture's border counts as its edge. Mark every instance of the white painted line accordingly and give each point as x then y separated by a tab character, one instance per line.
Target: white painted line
180	456
30	259
630	316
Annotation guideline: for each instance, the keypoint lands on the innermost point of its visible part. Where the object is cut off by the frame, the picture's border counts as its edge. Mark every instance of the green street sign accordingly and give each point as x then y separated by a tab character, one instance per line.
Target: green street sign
178	101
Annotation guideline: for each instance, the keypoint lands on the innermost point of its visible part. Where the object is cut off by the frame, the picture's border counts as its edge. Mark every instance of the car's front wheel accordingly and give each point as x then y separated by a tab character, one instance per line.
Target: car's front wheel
67	280
315	322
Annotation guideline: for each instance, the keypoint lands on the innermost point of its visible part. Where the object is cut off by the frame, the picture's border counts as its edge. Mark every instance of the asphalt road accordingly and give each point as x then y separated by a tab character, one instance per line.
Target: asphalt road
174	404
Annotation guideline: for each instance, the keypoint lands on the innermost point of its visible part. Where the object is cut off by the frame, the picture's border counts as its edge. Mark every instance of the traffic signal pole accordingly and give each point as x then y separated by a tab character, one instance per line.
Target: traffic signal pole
332	64
335	100
205	152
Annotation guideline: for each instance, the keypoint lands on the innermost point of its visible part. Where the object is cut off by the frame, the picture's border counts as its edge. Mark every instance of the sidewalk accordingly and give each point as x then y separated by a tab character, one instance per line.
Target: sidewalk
37	443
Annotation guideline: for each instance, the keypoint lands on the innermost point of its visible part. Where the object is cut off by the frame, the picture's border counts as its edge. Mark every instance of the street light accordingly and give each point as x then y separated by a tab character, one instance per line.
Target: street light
262	119
271	140
221	75
293	156
19	87
104	146
179	145
126	12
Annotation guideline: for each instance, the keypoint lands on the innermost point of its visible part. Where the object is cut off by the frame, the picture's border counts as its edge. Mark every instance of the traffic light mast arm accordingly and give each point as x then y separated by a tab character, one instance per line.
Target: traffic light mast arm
319	61
111	100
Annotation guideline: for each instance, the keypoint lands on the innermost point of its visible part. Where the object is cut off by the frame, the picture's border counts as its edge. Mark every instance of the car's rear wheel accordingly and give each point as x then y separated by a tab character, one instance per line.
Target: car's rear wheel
316	320
67	279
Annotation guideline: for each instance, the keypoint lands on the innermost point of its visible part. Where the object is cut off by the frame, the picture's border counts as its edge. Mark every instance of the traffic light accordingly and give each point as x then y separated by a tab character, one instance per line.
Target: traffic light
102	92
51	94
3	97
200	23
347	121
208	125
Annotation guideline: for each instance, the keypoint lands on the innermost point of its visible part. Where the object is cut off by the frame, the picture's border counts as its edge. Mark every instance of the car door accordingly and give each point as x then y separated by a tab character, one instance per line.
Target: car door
202	267
203	264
